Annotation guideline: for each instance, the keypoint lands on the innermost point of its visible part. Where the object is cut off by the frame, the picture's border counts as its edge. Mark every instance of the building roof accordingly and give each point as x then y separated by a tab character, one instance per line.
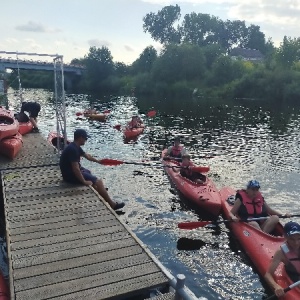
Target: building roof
247	53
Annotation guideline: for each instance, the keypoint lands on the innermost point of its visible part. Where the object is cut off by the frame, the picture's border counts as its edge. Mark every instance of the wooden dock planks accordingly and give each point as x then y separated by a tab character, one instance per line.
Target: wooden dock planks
63	241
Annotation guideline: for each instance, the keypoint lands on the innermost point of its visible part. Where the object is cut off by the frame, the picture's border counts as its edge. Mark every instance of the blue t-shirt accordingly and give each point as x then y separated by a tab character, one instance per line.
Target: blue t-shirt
71	154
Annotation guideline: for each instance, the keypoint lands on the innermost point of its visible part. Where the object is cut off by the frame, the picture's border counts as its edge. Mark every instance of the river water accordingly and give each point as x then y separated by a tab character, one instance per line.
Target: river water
247	139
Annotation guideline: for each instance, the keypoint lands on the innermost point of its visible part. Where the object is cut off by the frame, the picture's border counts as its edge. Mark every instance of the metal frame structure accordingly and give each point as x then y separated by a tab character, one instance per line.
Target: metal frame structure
60	105
59	92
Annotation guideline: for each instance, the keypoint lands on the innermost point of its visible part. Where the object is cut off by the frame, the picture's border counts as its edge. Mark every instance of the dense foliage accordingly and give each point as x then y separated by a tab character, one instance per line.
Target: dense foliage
195	61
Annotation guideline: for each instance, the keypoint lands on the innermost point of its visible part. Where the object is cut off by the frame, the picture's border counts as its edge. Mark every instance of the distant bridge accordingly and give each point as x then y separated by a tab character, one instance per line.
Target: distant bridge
70	71
7	63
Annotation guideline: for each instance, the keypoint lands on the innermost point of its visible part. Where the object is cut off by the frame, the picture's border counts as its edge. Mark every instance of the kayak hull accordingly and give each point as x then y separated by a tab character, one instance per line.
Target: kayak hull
11	146
25	127
258	245
205	196
4	288
53	139
9	126
133	133
97	117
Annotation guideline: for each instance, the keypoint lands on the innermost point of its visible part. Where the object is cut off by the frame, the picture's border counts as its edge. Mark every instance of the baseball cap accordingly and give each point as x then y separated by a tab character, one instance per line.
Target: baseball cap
291	228
81	133
253	184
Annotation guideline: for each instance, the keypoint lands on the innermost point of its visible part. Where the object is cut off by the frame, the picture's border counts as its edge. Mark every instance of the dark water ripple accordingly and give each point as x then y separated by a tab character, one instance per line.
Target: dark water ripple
239	142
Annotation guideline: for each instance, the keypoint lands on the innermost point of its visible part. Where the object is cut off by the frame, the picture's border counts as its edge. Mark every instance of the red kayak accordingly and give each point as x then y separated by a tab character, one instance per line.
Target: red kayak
25	127
53	139
4	288
11	146
96	117
259	246
8	124
133	133
205	195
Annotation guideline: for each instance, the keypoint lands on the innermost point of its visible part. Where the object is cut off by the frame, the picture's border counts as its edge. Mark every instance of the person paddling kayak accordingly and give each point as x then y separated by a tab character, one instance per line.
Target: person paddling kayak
175	151
289	255
135	122
187	172
249	203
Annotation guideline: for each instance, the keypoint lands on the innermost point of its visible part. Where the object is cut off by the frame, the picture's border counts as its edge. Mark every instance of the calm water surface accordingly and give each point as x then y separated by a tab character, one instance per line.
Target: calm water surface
246	139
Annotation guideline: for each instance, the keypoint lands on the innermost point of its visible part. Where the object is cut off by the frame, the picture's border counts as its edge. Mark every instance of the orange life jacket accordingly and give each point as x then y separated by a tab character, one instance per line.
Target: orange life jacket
293	258
251	207
176	151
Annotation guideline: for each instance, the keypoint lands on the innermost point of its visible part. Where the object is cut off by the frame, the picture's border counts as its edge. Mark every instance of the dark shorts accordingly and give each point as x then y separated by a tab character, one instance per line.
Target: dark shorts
87	175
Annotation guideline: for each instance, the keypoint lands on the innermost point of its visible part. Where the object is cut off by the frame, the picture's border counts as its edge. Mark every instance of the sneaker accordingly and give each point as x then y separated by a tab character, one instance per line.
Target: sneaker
119	205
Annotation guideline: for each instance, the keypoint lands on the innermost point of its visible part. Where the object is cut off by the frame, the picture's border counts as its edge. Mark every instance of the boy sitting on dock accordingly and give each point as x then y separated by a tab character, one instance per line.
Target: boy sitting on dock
73	172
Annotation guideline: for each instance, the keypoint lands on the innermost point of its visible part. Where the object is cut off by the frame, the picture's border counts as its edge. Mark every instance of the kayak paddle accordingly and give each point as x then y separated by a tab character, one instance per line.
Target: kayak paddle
178	158
197	224
116	162
151	113
118	127
285	290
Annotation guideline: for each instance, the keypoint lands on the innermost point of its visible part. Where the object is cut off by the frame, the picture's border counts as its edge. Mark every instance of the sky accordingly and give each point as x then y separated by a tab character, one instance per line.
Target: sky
71	27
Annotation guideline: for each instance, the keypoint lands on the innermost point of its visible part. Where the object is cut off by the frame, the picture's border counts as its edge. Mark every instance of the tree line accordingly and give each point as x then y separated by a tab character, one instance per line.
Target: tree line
195	60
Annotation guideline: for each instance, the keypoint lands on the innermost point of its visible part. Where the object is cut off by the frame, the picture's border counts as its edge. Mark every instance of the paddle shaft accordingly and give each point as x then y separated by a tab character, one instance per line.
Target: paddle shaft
196	224
285	290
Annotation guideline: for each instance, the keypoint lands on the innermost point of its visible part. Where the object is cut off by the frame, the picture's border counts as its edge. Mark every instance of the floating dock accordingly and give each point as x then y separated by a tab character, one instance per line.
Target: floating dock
65	242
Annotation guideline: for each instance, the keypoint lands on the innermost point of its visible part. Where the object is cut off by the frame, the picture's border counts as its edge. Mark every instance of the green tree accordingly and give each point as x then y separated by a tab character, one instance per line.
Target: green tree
199	29
255	39
211	53
225	70
99	66
145	62
179	62
161	26
121	69
289	52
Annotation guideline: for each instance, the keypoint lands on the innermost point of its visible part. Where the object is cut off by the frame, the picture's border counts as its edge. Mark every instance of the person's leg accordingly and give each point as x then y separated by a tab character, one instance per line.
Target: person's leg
270	224
33	122
35	109
255	224
99	187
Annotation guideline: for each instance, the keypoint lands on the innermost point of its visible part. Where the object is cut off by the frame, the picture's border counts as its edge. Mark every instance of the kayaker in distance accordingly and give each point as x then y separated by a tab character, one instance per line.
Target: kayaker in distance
250	203
175	151
135	122
289	255
187	172
73	172
90	111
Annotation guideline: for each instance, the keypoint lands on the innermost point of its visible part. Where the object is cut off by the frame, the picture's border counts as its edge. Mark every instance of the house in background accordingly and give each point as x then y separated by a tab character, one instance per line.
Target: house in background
246	54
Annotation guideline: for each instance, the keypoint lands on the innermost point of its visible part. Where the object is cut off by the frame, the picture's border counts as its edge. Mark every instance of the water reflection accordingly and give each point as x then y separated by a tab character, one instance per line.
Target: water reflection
239	141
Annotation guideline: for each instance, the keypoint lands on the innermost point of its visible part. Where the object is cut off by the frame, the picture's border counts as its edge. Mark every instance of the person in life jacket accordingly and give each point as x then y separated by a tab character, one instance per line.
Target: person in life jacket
249	203
176	151
187	172
289	255
135	122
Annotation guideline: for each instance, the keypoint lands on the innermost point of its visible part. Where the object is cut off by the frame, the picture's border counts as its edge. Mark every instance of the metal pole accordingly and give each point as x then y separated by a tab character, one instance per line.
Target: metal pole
179	286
